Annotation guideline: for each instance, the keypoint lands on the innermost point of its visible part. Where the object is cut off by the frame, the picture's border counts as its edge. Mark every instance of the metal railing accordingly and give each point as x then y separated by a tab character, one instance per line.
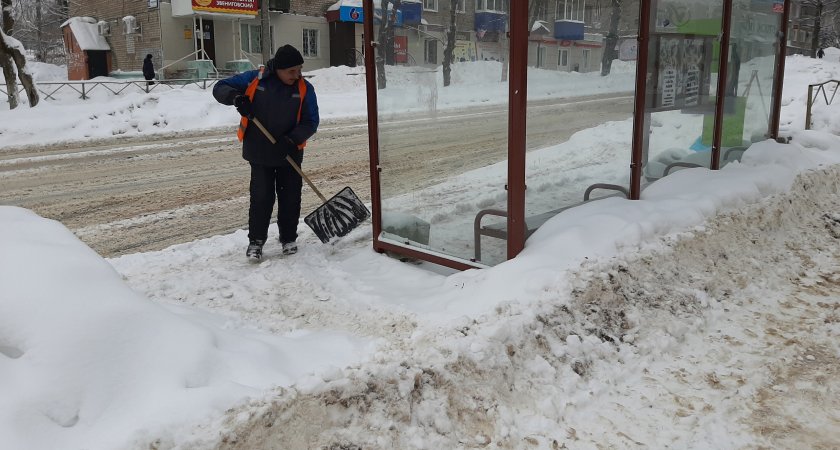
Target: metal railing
814	91
204	54
84	88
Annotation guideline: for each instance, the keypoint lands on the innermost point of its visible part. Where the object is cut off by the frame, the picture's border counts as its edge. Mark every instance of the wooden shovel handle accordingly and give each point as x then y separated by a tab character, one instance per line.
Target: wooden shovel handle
289	159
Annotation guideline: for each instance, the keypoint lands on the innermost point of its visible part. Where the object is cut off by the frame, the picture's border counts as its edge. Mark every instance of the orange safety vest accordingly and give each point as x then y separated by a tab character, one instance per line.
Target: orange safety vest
252	89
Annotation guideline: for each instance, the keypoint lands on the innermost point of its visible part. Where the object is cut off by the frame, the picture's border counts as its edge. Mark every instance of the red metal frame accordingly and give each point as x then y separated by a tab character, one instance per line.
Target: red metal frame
778	77
373	124
517	110
723	69
640	128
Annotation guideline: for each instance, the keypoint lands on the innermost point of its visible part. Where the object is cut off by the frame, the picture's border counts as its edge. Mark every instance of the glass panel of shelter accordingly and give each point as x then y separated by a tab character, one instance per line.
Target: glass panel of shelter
442	133
580	110
681	85
753	51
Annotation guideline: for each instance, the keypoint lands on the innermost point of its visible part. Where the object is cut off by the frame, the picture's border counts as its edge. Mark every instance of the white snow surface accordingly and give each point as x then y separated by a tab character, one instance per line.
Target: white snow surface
663	322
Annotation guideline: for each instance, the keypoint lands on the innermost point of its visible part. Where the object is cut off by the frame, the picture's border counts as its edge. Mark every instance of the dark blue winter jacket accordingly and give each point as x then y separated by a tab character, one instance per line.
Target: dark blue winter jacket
276	105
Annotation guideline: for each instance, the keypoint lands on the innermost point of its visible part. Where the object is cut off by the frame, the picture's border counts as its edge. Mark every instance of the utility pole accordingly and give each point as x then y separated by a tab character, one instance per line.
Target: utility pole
265	31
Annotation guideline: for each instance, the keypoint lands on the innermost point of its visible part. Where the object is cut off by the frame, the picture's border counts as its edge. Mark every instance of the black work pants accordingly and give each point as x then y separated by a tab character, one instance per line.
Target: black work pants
287	184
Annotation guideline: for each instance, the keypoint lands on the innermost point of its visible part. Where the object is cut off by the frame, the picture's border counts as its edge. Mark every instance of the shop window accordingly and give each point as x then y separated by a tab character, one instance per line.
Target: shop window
585	61
311	38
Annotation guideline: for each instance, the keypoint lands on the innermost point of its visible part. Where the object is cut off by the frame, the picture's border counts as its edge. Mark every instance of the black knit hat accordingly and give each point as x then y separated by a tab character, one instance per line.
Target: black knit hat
287	56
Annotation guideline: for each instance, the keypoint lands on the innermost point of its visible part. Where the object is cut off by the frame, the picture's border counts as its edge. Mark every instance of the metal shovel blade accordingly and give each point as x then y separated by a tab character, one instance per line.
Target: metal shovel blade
337	216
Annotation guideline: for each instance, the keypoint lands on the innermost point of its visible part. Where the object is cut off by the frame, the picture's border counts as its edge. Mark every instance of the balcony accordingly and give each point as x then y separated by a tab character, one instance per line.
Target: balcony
568	30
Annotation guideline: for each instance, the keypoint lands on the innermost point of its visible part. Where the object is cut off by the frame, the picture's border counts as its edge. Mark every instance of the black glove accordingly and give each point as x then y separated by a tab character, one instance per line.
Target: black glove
243	105
288	146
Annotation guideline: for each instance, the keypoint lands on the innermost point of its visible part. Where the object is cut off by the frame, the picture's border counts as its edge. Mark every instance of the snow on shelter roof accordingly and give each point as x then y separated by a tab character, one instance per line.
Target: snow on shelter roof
86	33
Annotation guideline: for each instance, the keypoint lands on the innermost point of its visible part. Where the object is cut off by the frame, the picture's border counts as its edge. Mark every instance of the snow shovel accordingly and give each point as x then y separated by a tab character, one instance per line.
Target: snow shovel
335	217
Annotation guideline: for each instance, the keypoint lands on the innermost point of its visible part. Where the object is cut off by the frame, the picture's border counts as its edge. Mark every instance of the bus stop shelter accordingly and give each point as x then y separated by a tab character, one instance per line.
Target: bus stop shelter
523	118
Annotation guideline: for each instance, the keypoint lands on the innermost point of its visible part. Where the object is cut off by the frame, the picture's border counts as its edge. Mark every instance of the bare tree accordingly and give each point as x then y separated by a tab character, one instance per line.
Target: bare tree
611	39
385	40
12	56
449	47
38	27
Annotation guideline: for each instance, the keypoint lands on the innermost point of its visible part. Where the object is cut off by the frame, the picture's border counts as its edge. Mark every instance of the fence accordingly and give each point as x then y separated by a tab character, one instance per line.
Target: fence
84	88
812	97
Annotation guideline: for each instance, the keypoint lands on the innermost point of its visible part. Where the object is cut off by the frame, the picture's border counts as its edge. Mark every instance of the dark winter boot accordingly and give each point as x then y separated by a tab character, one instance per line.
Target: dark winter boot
290	248
254	252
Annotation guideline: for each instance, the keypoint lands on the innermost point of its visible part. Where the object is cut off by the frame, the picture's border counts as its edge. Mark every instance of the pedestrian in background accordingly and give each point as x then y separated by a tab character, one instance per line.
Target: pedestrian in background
820	53
286	105
149	70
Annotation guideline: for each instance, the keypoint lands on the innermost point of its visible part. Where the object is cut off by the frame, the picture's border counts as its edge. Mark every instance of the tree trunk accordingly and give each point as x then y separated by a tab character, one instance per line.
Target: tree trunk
9	75
381	46
10	51
265	31
449	50
8	21
39	25
612	38
815	38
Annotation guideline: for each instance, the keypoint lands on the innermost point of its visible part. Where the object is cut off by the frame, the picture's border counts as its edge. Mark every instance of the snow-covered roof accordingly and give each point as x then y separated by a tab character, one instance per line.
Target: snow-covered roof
86	33
540	26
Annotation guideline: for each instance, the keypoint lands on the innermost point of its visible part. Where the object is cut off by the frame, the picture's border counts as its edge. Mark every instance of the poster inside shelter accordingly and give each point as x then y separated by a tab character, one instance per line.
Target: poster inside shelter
682	67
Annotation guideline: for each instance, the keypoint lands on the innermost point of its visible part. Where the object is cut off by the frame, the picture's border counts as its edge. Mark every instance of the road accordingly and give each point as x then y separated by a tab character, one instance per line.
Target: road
127	195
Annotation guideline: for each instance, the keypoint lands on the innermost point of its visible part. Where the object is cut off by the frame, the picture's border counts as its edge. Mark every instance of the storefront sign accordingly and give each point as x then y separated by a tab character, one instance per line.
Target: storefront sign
356	14
250	7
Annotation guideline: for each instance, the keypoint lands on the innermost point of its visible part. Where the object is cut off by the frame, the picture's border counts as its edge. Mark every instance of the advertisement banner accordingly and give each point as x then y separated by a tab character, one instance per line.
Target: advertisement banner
249	7
400	49
683	78
465	51
356	14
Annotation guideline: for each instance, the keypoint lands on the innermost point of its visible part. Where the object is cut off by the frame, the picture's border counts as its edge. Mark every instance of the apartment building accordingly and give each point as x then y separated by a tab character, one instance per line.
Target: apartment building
195	37
801	28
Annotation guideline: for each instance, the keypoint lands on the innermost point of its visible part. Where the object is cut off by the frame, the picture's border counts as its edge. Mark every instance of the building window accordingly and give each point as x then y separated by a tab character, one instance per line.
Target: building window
461	6
430	5
250	38
311	43
563	58
430	51
491	5
569	10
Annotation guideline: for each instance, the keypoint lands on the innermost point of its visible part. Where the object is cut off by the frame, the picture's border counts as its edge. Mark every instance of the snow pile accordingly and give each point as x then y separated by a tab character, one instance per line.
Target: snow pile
86	361
693	342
